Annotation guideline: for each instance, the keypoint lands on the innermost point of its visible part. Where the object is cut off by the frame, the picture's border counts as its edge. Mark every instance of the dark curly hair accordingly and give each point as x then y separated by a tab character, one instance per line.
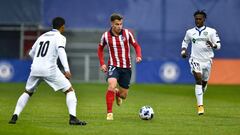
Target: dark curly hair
201	12
57	22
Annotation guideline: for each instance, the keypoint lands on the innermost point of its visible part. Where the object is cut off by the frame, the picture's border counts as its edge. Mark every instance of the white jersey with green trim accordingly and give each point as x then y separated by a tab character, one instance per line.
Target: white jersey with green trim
198	37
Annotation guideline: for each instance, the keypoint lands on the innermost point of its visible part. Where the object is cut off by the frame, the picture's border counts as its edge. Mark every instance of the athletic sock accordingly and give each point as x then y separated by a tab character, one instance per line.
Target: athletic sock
22	101
199	94
109	100
118	94
71	101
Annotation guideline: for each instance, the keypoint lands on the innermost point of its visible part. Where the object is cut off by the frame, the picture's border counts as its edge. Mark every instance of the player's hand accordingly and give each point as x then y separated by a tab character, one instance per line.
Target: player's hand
184	54
103	68
210	44
68	75
138	59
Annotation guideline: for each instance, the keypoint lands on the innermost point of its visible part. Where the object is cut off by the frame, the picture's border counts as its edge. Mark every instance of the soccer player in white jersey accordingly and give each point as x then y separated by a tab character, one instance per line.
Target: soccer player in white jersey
118	41
45	51
204	41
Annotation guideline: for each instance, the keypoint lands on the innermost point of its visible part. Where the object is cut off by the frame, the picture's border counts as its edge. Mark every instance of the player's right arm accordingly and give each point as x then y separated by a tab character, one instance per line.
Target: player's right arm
101	46
33	50
185	43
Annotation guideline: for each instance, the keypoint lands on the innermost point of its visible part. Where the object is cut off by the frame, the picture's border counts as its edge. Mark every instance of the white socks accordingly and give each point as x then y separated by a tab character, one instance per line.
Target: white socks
71	101
199	94
22	101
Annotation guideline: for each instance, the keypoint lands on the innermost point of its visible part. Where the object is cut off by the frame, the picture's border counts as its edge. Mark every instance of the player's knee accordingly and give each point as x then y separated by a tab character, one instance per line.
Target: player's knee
111	87
198	80
69	90
29	93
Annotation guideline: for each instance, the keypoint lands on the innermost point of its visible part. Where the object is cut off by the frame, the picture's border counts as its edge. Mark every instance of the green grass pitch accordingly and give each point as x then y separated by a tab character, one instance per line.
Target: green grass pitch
174	106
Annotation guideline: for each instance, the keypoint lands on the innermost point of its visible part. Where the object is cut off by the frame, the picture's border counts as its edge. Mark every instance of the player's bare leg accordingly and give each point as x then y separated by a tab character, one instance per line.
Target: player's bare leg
204	86
118	98
21	103
121	94
110	95
71	101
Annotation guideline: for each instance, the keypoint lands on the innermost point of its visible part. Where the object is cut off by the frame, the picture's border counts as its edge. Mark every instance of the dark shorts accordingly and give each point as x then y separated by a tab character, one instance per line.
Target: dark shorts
123	75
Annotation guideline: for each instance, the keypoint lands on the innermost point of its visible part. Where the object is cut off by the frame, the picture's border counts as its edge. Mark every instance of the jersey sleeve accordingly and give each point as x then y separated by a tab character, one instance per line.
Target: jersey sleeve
101	54
131	38
61	43
186	40
101	46
135	44
33	50
103	40
215	39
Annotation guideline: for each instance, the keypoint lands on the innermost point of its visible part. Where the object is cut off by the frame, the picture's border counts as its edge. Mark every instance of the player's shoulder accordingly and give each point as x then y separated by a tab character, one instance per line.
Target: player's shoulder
128	30
44	34
59	36
210	29
105	32
62	36
190	30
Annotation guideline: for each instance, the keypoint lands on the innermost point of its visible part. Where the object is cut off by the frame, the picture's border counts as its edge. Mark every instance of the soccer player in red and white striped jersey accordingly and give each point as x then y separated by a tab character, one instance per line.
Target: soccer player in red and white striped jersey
118	70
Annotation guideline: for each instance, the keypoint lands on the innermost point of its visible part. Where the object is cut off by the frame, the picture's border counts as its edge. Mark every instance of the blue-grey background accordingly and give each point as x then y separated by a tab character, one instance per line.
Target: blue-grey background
159	25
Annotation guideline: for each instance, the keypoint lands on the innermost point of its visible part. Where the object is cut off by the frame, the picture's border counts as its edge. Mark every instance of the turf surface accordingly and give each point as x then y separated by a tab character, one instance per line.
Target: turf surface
174	106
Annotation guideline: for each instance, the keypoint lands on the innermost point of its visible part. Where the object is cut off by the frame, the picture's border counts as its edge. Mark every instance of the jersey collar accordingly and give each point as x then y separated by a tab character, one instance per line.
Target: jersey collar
54	30
200	29
113	34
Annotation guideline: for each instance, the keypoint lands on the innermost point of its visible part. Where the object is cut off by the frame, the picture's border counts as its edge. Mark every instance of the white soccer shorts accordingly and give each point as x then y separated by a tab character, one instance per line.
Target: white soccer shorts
57	81
203	67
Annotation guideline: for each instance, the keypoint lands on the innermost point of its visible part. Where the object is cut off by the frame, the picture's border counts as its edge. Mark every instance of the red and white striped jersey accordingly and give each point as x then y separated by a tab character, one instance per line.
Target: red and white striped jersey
118	48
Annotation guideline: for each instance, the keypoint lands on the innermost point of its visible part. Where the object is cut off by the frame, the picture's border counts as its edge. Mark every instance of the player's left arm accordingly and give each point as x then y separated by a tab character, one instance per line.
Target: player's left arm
63	57
136	46
103	66
101	45
214	41
185	44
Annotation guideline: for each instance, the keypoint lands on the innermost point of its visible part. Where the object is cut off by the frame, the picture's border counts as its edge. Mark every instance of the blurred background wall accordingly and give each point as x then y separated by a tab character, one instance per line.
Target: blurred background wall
159	26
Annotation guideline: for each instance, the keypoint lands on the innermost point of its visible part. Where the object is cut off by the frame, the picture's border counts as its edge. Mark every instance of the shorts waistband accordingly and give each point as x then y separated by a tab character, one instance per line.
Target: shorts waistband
201	60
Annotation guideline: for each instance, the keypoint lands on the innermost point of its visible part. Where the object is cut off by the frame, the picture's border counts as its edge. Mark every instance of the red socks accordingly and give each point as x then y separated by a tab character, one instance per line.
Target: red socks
110	95
118	94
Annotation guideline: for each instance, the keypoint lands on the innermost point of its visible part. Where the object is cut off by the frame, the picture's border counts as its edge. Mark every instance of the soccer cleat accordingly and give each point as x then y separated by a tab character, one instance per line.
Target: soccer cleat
75	121
110	116
200	110
14	119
